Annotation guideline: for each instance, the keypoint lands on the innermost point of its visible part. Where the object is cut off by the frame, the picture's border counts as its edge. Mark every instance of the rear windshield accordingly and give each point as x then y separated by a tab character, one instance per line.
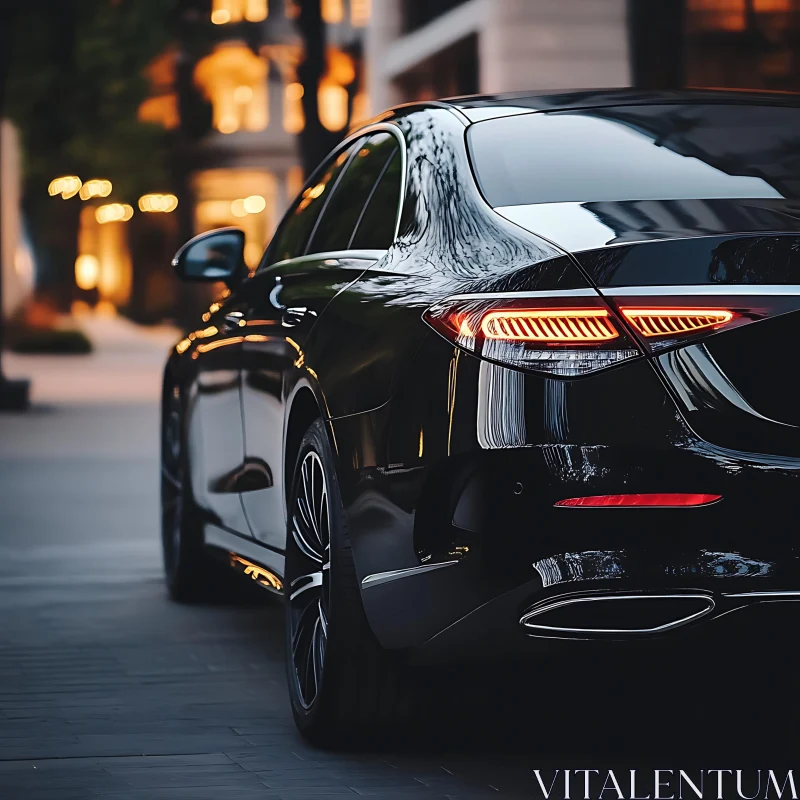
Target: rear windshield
659	152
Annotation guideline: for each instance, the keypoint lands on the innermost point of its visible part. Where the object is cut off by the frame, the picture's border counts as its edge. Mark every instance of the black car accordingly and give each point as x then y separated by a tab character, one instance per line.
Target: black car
512	369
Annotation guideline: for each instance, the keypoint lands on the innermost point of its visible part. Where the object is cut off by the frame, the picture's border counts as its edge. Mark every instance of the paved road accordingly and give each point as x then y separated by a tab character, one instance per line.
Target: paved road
109	690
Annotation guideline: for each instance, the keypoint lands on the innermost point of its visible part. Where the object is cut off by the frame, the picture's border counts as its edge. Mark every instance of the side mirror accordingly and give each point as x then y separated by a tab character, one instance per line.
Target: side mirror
214	256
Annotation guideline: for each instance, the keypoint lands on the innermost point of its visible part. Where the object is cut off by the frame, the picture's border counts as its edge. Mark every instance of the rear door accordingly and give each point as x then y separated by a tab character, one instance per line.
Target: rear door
315	258
216	439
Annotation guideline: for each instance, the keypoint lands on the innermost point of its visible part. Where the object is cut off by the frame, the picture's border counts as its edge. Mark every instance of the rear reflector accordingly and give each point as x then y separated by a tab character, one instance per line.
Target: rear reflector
640	501
676	321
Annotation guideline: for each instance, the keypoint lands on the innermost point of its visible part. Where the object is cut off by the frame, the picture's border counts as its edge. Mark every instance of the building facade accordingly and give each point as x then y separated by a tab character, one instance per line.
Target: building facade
421	49
247	168
17	271
234	106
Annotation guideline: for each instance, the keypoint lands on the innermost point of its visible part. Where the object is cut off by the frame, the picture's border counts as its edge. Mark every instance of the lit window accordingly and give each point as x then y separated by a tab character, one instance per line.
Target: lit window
162	110
767	6
332	11
341	67
727	15
333	97
256	10
104	259
87	271
332	106
224	11
293	118
360	12
255	111
235	81
243	198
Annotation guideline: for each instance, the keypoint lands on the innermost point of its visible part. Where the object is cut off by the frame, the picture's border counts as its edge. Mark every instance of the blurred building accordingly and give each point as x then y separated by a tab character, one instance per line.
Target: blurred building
16	259
237	165
421	49
235	104
247	168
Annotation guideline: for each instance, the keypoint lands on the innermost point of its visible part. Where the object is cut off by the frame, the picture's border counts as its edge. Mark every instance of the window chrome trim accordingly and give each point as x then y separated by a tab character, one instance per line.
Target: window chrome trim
332	192
711	290
564	293
398	134
787	595
331	255
344	145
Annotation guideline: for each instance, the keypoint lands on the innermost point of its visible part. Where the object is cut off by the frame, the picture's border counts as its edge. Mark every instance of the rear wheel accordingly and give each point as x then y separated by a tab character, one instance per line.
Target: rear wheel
342	684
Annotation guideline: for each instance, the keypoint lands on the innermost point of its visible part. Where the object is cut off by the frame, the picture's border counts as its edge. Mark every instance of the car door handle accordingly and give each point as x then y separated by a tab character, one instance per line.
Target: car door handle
233	319
294	316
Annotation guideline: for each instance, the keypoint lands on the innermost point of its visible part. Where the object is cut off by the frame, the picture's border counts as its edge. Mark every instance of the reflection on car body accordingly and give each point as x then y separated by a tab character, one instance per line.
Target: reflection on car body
516	368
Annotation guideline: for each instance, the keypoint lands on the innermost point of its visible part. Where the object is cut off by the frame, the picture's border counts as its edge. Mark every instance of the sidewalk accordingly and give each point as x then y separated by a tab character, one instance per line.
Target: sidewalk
125	367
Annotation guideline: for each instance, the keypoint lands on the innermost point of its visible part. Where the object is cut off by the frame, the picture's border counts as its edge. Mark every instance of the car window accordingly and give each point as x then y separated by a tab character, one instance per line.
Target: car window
376	228
635	153
338	221
292	236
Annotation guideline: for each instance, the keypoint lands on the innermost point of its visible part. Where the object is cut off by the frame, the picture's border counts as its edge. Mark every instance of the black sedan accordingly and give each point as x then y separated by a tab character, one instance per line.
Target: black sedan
512	369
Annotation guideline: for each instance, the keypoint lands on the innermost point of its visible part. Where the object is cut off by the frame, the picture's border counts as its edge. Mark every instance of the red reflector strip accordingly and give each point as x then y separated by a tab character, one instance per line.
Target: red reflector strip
640	500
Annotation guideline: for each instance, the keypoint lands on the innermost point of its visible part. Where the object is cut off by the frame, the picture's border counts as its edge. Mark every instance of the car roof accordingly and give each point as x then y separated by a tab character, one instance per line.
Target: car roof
480	107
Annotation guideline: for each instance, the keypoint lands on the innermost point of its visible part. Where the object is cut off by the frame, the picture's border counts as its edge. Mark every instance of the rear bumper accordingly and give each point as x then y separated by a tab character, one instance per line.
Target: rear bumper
475	489
591	596
746	627
513	571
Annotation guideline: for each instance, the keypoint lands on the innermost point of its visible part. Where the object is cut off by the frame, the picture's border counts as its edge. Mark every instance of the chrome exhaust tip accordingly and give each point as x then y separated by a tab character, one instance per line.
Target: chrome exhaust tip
614	615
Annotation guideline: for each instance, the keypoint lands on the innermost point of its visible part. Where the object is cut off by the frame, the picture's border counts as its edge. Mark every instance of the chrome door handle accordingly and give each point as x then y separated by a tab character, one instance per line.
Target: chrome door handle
294	316
233	319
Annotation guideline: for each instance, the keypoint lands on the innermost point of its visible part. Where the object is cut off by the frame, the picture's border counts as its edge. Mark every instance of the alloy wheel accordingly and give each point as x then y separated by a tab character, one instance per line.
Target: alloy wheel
309	590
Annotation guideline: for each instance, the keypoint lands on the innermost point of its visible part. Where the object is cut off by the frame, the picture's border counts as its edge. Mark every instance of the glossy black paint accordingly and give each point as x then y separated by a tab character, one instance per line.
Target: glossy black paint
449	465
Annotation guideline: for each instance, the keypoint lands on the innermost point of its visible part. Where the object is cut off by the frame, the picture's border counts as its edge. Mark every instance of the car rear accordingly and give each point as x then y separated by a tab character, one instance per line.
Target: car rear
630	466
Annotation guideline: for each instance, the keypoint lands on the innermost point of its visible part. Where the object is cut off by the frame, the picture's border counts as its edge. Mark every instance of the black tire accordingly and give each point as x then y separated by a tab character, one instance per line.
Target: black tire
191	575
357	687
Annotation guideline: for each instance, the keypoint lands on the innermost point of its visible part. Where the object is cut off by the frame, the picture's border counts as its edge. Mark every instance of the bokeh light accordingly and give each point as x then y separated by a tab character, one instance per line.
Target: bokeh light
97	187
113	212
67	186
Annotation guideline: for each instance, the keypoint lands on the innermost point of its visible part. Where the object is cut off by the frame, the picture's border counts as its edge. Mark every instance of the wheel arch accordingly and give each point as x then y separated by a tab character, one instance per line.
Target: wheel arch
304	409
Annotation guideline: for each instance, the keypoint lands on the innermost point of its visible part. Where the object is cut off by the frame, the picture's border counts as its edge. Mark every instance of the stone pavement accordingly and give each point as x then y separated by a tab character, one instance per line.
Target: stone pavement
109	690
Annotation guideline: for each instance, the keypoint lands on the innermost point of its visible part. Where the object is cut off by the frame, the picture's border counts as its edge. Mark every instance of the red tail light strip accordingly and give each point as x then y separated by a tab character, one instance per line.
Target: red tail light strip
675	321
661	500
549	325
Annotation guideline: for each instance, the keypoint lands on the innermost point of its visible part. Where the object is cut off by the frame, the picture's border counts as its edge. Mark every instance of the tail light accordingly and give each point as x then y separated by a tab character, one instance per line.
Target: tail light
576	333
564	326
662	317
567	334
672	322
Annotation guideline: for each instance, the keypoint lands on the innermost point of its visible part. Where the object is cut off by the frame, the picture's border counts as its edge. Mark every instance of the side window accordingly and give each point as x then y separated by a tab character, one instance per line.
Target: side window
376	228
291	239
338	221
